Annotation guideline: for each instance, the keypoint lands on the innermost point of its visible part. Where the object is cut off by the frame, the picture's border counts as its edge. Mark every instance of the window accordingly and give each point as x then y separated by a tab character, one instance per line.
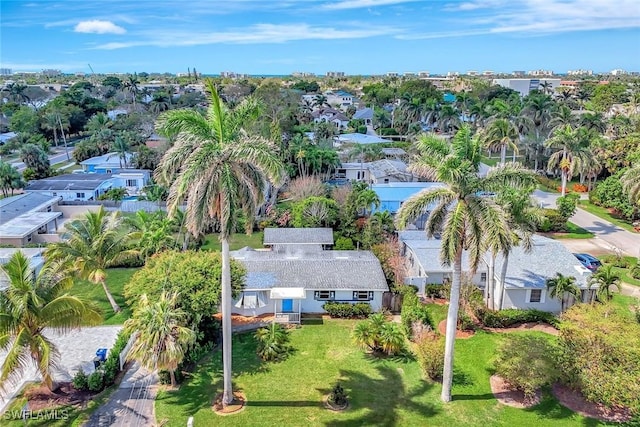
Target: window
324	295
132	183
79	195
29	237
363	295
54	194
536	295
483	277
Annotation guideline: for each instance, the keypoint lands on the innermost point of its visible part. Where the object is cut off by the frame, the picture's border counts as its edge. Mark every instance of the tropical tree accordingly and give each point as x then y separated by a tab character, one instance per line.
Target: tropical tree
465	219
36	159
219	168
131	86
631	183
562	287
91	244
366	200
572	152
121	146
151	232
501	133
30	305
562	117
605	278
10	179
162	338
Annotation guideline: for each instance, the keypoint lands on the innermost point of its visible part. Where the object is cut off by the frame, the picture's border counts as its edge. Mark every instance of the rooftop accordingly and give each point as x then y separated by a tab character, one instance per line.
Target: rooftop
298	236
346	270
359	138
25	224
427	252
14	206
365	113
107	159
76	181
386	167
401	191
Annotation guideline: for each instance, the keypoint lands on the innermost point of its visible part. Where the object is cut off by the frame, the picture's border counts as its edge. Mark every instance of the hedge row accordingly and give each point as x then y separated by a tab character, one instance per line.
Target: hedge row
106	374
413	311
347	310
512	316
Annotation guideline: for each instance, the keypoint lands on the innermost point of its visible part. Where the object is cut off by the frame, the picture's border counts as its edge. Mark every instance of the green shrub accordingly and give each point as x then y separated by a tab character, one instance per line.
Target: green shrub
511	316
616	261
567	205
547	183
379	335
344	244
273	343
635	271
430	353
95	382
164	377
80	381
465	322
527	362
553	221
338	396
414	314
436	290
345	310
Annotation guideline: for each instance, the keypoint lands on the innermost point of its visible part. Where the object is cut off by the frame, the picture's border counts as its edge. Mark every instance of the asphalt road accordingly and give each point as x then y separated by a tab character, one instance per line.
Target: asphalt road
54	159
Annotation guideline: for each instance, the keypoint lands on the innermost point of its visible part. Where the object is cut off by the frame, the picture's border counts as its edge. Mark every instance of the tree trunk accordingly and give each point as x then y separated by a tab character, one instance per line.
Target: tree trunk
64	138
55	136
114	304
227	394
490	288
452	322
503	154
564	173
172	375
503	277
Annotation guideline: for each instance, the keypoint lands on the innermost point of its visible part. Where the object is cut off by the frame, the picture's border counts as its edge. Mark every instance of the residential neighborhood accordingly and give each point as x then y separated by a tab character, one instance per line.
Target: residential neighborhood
380	245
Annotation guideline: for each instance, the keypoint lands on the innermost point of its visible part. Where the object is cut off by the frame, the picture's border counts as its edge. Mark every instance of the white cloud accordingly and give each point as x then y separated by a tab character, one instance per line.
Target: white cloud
358	4
256	34
98	27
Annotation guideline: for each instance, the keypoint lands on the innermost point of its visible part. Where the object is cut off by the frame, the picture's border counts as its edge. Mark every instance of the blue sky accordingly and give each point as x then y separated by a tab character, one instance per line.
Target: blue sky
355	36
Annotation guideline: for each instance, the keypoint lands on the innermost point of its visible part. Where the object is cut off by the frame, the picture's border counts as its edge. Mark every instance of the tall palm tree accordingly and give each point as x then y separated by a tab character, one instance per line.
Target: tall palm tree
131	85
594	120
546	87
162	338
561	287
121	146
631	183
93	243
448	118
501	133
466	219
151	232
605	278
562	117
50	122
30	305
571	155
219	168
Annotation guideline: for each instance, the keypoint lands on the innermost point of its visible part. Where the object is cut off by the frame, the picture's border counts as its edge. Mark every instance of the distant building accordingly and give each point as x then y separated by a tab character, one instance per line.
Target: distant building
408	74
452	74
302	74
423	74
232	75
6	71
51	72
524	86
580	73
472	73
335	74
541	73
488	73
618	72
519	73
392	74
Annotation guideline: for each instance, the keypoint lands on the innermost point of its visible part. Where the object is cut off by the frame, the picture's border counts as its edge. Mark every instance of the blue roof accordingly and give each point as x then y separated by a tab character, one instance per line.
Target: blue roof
401	191
360	138
449	97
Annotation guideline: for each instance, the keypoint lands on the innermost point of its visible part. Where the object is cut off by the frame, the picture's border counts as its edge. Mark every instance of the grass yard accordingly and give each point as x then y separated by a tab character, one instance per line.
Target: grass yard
625	273
605	214
116	279
237	241
382	392
573	232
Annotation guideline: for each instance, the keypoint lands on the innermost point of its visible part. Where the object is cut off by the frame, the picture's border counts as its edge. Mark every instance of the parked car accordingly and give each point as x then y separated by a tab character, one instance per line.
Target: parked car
589	261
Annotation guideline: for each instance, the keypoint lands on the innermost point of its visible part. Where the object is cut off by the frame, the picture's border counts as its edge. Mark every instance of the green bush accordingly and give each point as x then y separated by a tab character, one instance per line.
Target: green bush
553	221
527	362
436	290
616	261
273	343
164	377
338	396
387	131
344	244
465	322
80	381
430	353
379	335
567	205
547	183
95	382
345	310
512	316
413	314
635	271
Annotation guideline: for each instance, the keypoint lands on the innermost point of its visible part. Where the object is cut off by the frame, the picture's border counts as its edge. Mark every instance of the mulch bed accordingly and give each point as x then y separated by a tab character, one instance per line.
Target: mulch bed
40	397
238	404
574	400
530	326
442	328
506	395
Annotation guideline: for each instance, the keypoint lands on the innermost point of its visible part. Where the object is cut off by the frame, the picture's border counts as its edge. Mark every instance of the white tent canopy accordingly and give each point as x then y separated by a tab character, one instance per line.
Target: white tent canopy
287	293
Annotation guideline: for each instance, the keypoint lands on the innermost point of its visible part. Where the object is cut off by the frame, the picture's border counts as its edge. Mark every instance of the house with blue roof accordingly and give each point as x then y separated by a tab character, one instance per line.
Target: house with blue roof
107	163
393	194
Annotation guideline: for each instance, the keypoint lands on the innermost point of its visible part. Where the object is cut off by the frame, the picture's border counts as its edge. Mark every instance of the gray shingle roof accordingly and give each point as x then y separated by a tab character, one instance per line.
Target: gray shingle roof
14	206
80	181
298	236
548	257
427	252
336	270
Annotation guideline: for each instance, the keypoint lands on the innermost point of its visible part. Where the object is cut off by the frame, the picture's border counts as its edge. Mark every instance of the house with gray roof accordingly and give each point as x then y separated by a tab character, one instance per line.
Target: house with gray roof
364	114
291	240
72	187
526	275
29	218
289	283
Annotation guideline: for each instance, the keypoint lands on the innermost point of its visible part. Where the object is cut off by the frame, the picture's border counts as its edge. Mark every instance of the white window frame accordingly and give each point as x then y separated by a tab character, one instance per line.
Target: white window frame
80	195
324	295
483	277
543	295
362	295
132	183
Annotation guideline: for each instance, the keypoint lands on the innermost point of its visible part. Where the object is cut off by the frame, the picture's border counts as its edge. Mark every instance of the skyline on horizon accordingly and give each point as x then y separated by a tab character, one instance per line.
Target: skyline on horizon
358	37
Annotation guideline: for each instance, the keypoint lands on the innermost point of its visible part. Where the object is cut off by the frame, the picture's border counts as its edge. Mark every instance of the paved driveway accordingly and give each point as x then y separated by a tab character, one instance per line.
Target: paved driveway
77	350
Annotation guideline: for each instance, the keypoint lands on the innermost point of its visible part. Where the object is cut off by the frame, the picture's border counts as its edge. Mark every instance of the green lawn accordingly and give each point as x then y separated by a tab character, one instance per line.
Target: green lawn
116	279
573	232
237	241
604	214
625	273
66	165
382	392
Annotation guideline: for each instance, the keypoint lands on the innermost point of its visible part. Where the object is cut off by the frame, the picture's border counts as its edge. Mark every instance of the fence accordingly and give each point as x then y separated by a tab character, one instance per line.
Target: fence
392	302
126	349
123	206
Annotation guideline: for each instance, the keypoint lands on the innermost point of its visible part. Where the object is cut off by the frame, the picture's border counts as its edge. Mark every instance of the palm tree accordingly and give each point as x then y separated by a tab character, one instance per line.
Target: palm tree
605	278
151	232
131	85
31	304
594	120
50	122
561	287
448	118
98	122
10	179
92	244
631	183
162	338
466	219
546	87
219	168
319	101
573	151
366	200
501	133
121	146
562	117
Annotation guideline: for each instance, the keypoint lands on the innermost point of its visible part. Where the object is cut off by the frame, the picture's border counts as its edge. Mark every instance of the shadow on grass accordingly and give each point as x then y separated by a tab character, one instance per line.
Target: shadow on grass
461	377
313	321
382	397
550	408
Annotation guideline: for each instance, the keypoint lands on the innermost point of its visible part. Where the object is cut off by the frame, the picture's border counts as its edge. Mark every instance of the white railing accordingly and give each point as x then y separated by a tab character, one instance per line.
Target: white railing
287	318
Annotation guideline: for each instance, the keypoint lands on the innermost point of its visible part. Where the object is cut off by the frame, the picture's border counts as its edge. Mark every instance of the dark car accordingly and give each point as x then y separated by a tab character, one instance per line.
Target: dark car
589	261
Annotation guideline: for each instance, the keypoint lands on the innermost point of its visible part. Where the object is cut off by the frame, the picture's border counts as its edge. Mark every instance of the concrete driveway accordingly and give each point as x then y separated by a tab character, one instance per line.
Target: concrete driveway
77	350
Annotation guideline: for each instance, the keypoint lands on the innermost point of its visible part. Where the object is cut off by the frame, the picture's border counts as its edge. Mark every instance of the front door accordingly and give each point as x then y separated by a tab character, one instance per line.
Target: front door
287	305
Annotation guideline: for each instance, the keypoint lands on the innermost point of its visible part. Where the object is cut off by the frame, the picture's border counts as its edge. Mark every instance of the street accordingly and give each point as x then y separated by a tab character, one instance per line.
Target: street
54	159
